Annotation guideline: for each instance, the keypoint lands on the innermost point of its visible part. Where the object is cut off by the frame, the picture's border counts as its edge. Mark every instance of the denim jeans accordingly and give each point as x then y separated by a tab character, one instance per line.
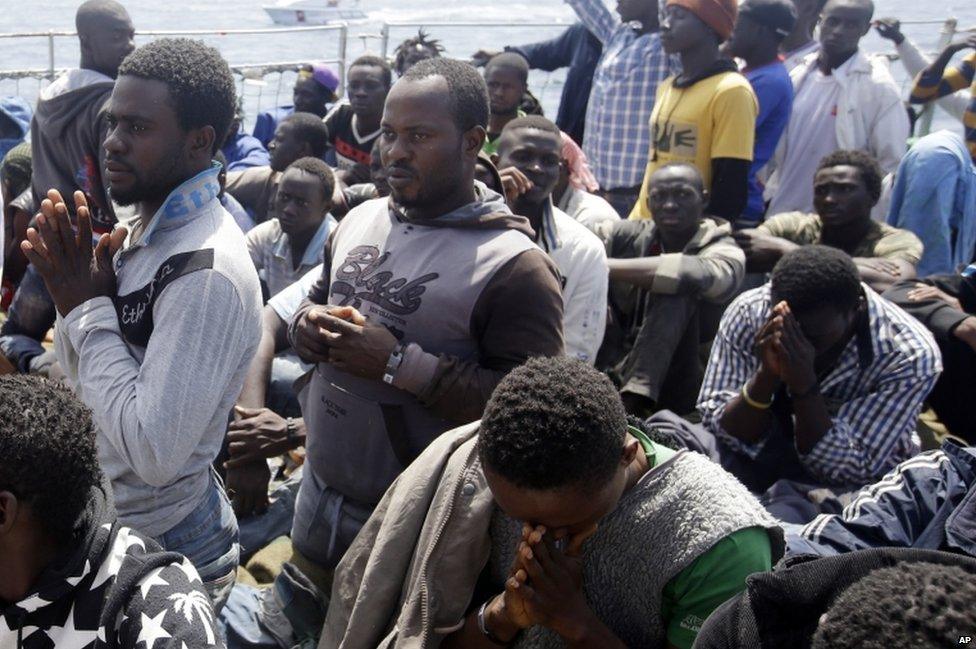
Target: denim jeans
208	537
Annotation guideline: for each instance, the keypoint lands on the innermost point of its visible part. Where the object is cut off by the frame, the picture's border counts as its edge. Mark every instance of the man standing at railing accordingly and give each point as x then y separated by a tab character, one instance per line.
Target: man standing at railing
618	134
66	149
69	126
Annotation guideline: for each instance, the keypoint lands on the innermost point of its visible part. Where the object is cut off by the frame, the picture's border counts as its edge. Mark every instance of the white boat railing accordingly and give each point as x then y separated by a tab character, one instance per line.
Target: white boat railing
251	74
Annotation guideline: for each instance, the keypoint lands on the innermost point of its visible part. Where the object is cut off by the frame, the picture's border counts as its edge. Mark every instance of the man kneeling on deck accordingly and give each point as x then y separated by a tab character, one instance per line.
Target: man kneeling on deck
550	523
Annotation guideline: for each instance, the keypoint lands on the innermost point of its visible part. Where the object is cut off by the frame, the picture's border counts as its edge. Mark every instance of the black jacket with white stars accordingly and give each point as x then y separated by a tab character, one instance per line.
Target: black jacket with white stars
114	589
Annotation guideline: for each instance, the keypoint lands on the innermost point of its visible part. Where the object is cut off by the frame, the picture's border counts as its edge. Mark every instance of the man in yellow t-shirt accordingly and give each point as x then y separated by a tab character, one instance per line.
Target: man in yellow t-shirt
705	116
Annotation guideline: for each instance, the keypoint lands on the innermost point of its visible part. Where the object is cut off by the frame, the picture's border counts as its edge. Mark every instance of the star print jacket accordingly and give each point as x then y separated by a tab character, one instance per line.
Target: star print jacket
113	589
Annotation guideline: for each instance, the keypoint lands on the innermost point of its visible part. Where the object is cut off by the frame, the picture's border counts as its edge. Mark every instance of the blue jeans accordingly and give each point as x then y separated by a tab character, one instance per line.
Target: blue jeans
208	537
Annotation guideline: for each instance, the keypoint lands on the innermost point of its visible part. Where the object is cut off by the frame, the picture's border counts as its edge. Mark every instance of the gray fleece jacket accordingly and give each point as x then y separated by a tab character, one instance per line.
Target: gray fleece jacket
67	133
162	362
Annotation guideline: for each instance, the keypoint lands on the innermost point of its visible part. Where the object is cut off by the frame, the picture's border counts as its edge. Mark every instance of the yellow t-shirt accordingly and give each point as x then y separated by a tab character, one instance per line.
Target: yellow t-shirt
713	118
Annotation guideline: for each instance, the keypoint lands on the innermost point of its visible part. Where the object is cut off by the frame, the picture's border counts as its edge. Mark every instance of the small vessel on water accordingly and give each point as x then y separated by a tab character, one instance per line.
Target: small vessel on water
315	12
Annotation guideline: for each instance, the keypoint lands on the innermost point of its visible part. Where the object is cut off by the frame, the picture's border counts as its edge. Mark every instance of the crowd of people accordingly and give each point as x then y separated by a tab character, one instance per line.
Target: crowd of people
411	364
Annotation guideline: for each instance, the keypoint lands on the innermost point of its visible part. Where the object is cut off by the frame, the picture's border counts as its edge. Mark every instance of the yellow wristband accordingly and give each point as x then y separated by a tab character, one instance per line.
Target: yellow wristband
758	405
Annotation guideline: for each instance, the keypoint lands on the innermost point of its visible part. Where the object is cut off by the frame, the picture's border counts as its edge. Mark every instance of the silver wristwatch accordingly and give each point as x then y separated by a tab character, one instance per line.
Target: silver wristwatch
393	364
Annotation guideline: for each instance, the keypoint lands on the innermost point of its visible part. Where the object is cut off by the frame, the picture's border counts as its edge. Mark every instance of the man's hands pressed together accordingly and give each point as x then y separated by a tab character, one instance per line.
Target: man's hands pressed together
343	337
545	588
786	354
73	271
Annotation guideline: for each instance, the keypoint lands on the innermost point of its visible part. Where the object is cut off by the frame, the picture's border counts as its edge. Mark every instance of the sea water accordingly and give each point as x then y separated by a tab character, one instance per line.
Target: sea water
459	41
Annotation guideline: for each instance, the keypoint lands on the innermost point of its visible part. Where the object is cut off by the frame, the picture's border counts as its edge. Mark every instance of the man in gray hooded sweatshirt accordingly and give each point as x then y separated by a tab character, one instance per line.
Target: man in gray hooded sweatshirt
425	302
69	125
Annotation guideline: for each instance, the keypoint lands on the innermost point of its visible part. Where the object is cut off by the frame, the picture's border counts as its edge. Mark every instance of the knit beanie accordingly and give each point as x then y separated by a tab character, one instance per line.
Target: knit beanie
16	166
717	14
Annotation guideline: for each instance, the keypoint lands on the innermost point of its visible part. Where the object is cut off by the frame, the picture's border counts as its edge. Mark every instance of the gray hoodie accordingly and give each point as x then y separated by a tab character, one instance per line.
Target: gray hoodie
67	133
470	295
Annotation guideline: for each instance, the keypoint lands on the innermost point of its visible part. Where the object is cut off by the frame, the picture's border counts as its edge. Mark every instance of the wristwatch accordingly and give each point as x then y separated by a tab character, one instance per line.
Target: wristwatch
393	364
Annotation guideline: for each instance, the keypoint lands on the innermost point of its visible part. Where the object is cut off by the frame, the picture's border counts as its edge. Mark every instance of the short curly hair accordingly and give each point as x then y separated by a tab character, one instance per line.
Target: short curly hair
199	80
905	606
469	94
317	167
47	446
815	276
372	61
512	60
309	128
553	423
871	173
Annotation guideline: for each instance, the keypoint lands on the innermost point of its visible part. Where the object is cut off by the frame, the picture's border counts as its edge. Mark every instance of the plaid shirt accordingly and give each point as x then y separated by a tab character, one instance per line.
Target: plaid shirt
618	133
874	392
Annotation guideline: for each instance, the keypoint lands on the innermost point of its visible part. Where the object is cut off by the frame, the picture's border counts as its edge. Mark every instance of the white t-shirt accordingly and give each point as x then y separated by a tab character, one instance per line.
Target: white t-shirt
286	301
811	134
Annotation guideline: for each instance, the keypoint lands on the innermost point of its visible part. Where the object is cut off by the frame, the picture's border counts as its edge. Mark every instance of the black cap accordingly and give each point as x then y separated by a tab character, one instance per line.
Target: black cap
778	15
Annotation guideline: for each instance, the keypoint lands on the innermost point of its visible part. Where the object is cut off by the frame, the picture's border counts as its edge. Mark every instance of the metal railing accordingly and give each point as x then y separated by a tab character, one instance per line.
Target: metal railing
252	74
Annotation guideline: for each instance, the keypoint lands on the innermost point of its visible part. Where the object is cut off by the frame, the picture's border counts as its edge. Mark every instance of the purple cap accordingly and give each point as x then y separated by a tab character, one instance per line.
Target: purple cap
322	74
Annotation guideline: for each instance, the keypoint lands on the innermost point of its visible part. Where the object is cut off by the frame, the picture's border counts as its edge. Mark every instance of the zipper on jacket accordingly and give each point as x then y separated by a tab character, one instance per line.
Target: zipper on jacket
424	596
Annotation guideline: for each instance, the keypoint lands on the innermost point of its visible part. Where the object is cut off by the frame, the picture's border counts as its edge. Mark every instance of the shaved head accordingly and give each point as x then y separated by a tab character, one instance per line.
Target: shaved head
106	34
682	170
866	6
93	13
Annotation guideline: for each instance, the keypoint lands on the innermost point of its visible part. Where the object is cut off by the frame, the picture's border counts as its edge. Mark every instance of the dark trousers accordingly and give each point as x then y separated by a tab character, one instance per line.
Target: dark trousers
952	392
661	362
776	475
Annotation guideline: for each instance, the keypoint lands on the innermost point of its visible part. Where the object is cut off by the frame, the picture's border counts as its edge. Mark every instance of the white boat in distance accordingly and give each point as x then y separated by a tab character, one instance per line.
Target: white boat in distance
315	12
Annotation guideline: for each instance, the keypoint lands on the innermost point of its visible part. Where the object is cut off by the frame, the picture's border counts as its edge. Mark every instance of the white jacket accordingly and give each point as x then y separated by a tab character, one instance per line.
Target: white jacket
871	115
582	263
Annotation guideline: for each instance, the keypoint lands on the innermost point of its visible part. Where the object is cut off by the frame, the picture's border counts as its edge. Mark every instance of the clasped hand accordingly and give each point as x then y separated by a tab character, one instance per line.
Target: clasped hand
343	337
545	584
72	270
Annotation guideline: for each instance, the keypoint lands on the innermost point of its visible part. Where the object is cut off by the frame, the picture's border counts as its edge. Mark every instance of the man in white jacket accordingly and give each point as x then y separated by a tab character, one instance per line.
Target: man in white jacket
843	100
529	158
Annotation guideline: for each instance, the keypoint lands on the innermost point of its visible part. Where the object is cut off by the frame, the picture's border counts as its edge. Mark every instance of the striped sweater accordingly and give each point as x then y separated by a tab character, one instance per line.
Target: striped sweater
929	87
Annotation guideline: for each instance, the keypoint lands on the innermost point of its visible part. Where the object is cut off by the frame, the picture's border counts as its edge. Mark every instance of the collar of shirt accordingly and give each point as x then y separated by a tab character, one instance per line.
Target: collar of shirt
549	237
180	207
311	256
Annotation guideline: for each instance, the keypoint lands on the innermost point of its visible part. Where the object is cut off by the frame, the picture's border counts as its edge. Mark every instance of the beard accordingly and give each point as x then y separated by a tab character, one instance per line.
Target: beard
154	185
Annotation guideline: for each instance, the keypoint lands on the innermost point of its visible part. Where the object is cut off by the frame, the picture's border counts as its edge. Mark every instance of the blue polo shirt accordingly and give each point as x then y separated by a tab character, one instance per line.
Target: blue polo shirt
774	90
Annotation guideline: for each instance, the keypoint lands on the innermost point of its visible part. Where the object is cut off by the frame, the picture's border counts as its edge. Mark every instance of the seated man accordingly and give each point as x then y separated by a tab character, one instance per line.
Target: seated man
815	378
529	149
671	277
542	551
507	78
846	186
890	597
925	503
298	136
946	305
17	201
289	245
314	92
72	575
268	421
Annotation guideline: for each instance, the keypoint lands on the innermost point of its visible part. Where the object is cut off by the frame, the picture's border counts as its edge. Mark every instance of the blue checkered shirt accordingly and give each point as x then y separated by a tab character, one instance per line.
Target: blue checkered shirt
617	140
874	392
